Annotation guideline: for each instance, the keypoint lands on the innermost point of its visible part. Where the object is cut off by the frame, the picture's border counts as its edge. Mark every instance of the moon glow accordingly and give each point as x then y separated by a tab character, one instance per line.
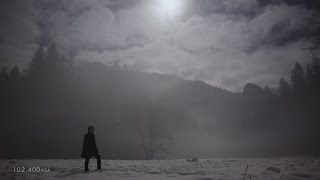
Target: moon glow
169	9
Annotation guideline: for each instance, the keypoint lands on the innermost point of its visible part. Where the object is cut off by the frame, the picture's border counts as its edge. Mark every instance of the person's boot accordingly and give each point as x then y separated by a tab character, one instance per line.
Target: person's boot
86	164
86	168
98	162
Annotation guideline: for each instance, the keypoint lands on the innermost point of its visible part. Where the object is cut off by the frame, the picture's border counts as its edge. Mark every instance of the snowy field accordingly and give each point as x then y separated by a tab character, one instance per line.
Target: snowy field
281	168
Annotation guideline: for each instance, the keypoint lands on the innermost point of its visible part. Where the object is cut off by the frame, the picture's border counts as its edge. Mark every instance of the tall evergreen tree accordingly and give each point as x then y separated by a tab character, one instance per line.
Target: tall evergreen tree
309	74
310	79
15	73
315	67
315	63
298	80
284	88
37	66
53	58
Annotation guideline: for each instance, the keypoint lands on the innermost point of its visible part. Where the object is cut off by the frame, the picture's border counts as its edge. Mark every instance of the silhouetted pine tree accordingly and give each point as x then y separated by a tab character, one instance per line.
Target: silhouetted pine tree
315	77
315	63
309	74
38	62
53	58
284	88
15	73
298	80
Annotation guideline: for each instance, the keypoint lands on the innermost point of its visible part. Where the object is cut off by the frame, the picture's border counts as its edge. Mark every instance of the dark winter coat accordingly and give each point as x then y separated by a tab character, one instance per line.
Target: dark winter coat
89	146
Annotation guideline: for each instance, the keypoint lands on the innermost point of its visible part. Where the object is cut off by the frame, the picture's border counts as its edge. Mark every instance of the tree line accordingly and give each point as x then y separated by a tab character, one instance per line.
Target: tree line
46	108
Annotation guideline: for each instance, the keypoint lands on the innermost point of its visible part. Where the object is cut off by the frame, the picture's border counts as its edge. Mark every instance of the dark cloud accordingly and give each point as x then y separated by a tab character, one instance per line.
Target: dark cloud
18	32
223	42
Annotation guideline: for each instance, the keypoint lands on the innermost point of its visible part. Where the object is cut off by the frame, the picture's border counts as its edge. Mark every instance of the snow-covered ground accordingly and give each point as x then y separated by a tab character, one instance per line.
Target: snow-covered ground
281	168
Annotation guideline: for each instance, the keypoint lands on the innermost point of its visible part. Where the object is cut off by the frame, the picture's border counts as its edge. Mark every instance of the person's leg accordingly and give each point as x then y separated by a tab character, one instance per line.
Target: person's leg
98	161
86	163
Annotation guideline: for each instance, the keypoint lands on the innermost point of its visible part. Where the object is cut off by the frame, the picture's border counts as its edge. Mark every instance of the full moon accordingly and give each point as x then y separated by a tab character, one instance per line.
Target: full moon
169	8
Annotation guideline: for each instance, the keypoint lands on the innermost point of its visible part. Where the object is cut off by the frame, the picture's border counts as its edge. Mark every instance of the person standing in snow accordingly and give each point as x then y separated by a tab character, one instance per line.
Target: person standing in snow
90	149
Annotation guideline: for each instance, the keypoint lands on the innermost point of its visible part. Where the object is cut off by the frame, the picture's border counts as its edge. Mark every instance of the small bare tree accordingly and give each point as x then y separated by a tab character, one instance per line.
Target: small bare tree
153	141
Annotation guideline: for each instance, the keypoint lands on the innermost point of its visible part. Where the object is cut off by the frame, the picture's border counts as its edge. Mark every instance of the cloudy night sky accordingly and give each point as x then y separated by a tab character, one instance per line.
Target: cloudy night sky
225	43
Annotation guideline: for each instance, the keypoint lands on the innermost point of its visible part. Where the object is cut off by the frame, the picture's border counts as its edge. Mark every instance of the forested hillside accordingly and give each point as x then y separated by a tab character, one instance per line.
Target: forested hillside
46	109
